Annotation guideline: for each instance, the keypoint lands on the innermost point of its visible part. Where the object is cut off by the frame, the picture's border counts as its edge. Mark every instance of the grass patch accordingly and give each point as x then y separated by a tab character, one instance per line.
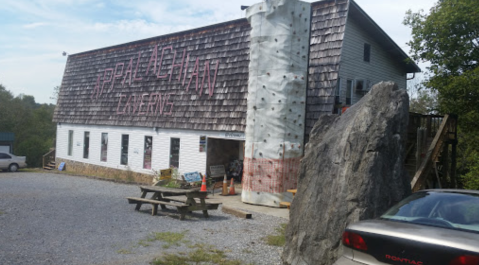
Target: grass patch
202	254
124	251
2	213
170	238
143	243
278	239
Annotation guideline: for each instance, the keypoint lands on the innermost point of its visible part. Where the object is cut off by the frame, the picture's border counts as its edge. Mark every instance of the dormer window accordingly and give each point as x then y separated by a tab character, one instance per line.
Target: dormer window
367	52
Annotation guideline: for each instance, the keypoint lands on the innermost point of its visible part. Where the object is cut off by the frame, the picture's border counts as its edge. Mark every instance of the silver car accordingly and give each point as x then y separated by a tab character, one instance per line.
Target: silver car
11	162
430	227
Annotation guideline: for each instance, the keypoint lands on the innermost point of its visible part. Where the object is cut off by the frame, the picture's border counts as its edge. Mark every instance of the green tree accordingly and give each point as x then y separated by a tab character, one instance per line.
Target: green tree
55	94
448	38
6	111
30	122
425	103
421	99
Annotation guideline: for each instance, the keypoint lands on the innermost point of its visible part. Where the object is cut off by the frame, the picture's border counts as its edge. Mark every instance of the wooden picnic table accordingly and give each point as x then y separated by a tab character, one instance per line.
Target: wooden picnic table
293	191
288	204
195	200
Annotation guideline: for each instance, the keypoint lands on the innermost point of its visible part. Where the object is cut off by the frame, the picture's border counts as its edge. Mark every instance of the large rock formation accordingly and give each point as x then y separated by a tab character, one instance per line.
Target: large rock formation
352	170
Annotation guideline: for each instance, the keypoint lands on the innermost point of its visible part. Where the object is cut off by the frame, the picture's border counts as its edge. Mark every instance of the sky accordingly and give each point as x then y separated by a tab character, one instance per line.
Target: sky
35	33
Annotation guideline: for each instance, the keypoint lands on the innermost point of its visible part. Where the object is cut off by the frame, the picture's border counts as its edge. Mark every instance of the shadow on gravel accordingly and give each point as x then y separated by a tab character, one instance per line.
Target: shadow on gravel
173	214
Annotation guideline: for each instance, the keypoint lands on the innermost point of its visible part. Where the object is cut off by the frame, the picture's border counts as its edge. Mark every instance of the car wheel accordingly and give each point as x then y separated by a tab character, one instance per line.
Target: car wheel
13	168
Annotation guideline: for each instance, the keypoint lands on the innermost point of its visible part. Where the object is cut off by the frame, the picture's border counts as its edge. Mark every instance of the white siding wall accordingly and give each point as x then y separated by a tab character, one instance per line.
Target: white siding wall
381	66
190	157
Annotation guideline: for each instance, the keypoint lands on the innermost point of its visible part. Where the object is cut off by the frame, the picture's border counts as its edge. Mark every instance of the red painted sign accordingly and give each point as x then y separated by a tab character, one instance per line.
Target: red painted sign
153	104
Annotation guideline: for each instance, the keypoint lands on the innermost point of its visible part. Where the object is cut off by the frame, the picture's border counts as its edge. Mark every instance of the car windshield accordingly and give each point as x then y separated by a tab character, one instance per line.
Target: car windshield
452	210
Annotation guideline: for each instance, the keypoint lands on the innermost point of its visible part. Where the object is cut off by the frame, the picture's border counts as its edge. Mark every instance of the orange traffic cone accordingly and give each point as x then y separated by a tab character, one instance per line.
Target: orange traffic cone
203	184
225	187
232	187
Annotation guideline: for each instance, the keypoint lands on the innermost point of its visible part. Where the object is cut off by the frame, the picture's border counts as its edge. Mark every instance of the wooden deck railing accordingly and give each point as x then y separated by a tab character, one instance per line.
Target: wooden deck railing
446	131
48	157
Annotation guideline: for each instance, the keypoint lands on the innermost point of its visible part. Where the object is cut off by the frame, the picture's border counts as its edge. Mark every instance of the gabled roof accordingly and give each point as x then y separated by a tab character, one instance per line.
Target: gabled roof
129	85
382	38
7	137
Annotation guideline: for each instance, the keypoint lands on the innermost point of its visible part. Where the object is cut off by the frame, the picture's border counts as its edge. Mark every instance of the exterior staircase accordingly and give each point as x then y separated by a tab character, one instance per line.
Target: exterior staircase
431	151
48	161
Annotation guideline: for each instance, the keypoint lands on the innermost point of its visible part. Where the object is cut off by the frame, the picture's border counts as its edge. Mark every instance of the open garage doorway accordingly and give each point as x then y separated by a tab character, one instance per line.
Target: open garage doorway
226	152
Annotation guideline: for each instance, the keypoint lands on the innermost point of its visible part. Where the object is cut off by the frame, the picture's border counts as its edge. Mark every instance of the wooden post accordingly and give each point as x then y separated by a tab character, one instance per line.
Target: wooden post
445	163
428	127
453	164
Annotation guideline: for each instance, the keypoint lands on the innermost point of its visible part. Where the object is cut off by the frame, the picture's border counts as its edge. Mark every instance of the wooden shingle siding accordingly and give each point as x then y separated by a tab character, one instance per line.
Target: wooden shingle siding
85	97
328	24
338	34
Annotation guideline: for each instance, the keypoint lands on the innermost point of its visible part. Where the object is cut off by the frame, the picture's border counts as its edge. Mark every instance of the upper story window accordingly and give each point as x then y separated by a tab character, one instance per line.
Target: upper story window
367	52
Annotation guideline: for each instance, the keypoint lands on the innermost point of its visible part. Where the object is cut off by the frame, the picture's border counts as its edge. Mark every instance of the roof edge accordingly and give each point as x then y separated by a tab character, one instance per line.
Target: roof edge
169	35
411	66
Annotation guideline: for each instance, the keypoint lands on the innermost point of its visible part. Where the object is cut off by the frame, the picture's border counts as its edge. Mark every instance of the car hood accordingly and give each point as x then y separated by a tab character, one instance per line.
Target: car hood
421	233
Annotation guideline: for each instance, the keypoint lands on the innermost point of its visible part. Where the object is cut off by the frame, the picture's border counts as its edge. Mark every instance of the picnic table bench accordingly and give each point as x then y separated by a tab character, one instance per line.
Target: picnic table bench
195	200
288	204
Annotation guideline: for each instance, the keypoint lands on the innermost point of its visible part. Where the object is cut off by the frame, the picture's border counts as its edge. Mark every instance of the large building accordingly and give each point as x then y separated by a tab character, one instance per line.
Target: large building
181	99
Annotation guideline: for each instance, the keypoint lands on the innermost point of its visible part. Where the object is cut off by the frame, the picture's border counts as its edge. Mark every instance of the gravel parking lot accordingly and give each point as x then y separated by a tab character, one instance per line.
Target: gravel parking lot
60	219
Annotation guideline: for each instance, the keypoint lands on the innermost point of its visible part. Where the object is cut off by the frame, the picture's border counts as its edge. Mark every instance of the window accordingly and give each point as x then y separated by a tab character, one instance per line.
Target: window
70	142
367	52
359	85
202	144
452	210
104	147
349	91
124	149
4	156
337	92
147	152
175	152
86	144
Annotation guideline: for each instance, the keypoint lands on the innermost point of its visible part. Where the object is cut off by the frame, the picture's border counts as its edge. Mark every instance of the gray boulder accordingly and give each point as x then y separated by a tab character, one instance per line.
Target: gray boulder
352	170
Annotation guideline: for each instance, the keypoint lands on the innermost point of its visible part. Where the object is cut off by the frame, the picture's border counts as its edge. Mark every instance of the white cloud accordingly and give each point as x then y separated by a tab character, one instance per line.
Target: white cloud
34	25
38	31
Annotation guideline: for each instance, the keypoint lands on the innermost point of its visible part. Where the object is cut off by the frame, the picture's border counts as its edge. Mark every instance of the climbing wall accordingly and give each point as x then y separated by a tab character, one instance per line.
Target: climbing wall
276	99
